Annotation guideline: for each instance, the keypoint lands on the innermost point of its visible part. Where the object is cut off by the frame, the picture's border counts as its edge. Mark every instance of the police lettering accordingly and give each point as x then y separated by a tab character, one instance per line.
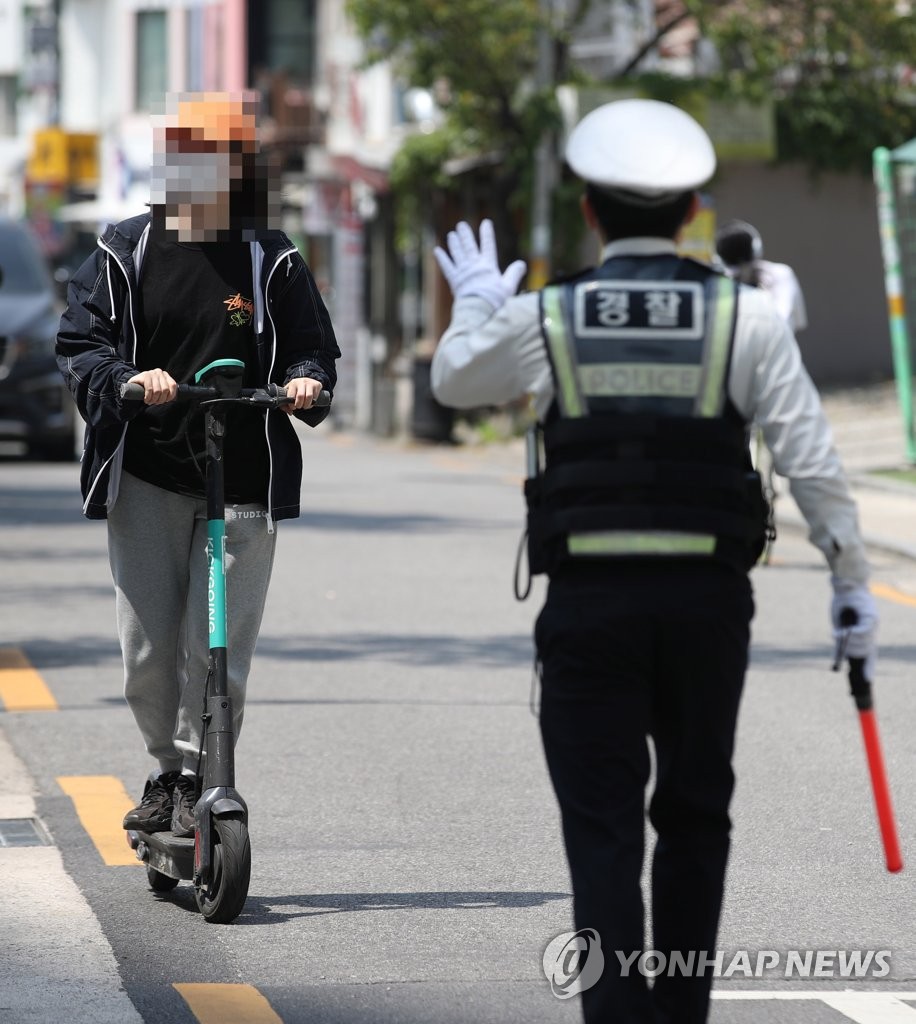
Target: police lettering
613	308
607	379
670	309
662	308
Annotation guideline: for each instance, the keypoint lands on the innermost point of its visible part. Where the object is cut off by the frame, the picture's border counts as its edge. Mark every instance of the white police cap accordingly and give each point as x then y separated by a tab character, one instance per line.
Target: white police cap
644	151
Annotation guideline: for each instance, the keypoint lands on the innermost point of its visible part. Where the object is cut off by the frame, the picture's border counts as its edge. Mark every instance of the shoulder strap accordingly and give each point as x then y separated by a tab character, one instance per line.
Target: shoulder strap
722	296
562	352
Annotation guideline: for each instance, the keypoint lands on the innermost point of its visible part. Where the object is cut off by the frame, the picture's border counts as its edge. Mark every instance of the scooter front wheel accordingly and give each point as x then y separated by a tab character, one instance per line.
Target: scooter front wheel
221	897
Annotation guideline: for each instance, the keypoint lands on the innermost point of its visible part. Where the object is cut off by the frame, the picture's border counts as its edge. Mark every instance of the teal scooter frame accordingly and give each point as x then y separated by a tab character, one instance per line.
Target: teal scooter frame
218	859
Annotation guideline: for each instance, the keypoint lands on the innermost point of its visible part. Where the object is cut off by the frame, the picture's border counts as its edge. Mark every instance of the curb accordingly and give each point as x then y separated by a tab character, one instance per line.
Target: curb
48	965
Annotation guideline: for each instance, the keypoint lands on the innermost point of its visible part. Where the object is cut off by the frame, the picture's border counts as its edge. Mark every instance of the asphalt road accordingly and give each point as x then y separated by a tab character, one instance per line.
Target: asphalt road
407	858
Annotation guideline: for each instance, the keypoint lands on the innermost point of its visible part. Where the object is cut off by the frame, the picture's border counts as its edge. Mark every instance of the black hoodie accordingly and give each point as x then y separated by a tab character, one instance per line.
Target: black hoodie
96	347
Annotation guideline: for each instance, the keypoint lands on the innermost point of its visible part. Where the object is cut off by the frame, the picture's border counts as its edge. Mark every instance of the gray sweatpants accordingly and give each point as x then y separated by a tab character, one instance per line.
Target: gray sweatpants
157	548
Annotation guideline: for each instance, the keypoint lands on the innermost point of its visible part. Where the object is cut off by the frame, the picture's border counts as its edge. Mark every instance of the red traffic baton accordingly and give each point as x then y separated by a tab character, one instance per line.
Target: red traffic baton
860	688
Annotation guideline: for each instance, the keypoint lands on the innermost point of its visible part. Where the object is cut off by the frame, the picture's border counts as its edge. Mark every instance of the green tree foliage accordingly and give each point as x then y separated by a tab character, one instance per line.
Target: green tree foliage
478	58
836	68
839	71
473	55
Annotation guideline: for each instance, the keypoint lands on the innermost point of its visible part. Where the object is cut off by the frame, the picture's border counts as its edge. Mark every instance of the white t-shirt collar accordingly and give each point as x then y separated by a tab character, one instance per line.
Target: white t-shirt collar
639	247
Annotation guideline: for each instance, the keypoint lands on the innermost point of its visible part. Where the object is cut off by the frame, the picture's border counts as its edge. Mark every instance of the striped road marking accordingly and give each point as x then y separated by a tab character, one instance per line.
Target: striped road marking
862	1007
21	687
227	1004
101	803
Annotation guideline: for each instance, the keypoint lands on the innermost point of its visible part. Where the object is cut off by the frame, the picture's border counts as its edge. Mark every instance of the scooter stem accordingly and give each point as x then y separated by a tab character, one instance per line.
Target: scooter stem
220	765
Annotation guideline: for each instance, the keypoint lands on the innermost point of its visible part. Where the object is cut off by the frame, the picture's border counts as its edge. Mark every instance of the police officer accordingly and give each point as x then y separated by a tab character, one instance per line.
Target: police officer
645	373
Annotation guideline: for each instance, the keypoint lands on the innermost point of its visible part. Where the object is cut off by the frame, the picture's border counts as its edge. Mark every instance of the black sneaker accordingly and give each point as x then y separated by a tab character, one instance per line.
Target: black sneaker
154	812
185	797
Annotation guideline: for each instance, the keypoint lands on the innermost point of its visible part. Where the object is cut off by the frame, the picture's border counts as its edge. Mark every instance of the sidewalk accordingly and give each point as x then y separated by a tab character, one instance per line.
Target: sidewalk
57	964
868	432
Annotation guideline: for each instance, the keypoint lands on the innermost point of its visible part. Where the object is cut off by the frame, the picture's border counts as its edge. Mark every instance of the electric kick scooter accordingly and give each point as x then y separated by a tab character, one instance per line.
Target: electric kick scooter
218	858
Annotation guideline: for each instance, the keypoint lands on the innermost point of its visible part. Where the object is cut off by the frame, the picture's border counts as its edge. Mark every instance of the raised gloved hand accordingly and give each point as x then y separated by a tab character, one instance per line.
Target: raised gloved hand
854	616
470	270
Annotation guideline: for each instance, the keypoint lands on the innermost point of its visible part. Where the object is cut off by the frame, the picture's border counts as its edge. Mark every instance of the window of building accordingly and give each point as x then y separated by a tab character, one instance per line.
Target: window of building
194	28
152	59
281	38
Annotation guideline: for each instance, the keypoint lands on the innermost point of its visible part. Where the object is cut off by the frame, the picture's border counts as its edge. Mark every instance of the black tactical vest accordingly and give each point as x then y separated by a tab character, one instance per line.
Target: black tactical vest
644	456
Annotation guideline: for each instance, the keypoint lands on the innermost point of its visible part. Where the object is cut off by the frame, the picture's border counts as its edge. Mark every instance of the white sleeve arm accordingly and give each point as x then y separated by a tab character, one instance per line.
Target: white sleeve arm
780	281
770	385
492	356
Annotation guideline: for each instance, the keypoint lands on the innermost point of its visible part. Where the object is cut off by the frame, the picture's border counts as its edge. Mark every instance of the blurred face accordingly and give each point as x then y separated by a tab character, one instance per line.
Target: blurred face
196	190
199	161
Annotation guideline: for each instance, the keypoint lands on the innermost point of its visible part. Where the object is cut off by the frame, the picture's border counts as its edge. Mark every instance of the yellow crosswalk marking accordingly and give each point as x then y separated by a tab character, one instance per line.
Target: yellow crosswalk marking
21	687
101	803
228	1004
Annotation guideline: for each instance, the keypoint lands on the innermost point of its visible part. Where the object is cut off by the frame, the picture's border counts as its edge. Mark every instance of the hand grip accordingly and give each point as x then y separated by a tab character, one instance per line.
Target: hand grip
848	618
859	686
132	392
322	401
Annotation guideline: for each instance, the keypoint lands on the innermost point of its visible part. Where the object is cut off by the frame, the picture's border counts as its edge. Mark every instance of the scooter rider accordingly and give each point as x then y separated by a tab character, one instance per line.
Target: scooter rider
200	278
645	373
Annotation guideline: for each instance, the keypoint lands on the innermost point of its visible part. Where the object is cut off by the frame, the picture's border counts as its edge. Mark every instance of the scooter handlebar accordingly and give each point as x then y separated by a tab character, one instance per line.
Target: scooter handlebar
275	396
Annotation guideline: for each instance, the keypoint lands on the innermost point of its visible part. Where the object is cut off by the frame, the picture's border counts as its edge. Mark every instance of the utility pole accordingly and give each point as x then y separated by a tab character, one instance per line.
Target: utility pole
541	207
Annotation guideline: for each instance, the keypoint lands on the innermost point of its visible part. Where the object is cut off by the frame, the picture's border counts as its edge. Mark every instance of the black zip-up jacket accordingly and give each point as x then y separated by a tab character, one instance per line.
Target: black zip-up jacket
97	345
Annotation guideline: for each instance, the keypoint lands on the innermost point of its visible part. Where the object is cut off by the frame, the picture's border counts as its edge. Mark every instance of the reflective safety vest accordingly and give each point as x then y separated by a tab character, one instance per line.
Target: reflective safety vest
644	456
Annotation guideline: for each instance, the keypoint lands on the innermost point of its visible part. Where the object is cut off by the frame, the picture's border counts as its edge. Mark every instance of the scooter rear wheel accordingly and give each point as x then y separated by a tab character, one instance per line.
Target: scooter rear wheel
221	897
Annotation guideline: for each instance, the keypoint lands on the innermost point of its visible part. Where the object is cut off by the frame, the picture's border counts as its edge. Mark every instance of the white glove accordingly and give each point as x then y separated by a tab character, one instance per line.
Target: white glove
470	270
853	613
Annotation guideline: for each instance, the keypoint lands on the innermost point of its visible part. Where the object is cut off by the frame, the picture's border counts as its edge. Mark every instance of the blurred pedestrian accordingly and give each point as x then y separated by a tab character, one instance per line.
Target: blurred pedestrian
645	373
740	248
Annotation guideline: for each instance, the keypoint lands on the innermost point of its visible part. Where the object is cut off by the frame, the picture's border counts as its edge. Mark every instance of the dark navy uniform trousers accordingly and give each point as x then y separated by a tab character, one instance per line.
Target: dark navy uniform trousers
633	654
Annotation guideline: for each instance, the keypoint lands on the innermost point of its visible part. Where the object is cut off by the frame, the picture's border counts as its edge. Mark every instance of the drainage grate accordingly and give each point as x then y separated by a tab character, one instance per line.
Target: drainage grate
22	832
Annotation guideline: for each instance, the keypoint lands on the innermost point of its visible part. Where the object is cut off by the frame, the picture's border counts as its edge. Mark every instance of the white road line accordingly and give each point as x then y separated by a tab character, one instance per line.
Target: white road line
871	1007
743	994
861	1007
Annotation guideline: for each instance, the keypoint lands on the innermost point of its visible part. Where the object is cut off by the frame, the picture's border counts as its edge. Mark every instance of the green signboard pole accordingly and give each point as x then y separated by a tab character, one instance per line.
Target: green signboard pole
893	286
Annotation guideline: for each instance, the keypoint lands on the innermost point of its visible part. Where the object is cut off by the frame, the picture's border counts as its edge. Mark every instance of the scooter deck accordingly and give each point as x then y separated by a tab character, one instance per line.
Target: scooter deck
168	854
